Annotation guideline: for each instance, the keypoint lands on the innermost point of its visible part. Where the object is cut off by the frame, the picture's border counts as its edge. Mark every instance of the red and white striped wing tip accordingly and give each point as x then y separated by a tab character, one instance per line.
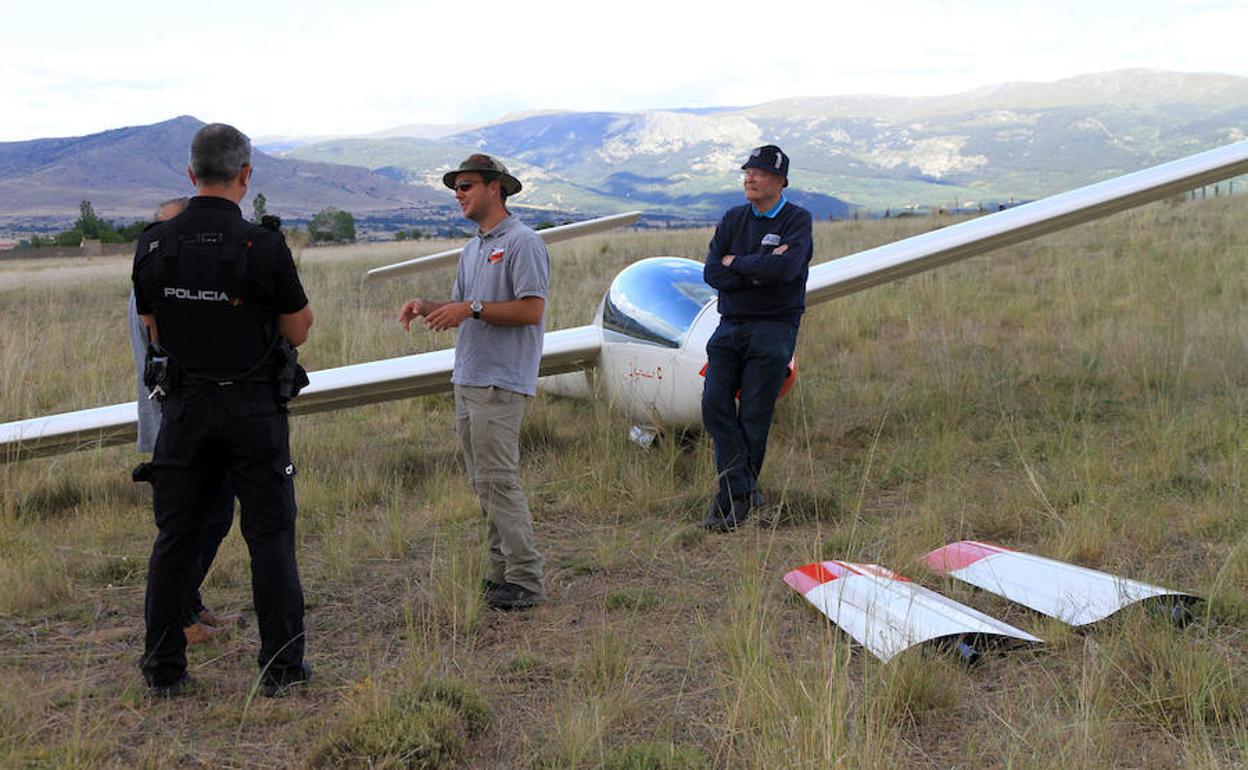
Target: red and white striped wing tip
885	612
1072	594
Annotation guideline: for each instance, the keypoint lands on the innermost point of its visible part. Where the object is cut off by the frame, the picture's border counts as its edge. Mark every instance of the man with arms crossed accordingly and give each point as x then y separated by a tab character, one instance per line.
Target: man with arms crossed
498	306
758	259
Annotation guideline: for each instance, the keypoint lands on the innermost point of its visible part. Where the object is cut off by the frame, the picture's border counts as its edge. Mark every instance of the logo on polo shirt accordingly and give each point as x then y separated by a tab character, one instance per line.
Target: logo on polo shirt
496	256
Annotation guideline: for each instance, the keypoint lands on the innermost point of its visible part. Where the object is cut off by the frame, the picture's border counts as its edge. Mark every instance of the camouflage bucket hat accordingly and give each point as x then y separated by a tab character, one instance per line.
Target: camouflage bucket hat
484	164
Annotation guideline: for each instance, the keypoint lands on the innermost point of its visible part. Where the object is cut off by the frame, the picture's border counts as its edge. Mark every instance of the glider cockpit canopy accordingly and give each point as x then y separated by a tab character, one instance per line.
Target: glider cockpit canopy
655	301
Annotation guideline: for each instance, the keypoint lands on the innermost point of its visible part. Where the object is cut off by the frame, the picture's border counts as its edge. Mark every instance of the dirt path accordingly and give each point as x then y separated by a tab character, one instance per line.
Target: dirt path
30	273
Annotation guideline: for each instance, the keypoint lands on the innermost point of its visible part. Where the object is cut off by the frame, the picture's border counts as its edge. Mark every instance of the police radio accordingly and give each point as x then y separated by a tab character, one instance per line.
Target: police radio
291	377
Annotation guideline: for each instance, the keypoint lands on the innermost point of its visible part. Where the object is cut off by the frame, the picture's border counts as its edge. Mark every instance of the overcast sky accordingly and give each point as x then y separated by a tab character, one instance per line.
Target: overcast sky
305	67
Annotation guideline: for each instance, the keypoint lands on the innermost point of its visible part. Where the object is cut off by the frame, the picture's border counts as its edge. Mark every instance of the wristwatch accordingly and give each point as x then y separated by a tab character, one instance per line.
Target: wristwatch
477	307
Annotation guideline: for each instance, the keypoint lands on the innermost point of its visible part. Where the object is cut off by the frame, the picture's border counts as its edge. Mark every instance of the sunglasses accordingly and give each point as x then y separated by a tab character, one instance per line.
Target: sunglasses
465	186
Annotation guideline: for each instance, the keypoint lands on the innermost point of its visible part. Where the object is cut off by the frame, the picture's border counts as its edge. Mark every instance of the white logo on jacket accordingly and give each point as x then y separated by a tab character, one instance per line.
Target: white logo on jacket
201	295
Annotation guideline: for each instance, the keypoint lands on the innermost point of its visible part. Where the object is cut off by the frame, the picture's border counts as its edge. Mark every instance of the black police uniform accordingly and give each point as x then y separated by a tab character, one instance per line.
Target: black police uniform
216	285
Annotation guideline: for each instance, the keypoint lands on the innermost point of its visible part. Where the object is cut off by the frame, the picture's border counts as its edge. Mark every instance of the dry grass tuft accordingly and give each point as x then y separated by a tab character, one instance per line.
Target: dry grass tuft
423	729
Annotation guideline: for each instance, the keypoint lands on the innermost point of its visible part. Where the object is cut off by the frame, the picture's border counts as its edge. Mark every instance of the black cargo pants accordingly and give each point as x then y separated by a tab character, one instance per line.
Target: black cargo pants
210	433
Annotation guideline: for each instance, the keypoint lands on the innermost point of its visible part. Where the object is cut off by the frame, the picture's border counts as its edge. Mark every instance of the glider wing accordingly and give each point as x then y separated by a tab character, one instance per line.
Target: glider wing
886	613
1072	594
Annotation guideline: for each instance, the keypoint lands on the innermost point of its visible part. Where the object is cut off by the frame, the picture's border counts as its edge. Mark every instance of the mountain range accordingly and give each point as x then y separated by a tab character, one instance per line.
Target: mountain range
127	172
1009	141
1012	141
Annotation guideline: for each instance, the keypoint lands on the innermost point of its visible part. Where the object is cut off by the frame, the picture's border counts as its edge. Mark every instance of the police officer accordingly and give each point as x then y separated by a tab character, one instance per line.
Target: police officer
221	297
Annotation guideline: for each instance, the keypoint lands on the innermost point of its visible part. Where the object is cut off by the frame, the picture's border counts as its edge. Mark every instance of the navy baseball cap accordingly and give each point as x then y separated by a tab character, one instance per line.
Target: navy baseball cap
769	158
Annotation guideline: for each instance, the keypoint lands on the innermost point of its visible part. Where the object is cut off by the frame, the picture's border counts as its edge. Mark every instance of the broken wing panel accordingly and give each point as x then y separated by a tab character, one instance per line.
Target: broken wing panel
885	612
967	239
1072	594
345	386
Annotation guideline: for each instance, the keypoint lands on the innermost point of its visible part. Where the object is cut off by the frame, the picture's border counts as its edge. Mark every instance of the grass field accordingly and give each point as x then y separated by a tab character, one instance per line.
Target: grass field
1083	396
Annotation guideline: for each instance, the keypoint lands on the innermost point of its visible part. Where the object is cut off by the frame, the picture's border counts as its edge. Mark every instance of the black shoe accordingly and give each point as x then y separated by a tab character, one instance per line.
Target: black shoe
172	690
282	684
488	585
719	521
511	596
714	518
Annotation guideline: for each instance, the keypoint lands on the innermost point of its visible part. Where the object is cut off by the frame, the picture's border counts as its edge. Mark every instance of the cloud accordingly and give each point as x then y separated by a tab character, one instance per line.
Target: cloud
315	68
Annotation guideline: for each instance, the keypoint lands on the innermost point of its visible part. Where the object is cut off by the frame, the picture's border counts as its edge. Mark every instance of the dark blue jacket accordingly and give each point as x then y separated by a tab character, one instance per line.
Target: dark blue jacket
760	285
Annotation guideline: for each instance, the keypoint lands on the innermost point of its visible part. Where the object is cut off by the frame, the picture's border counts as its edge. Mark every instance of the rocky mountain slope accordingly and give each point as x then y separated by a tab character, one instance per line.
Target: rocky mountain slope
1014	140
126	172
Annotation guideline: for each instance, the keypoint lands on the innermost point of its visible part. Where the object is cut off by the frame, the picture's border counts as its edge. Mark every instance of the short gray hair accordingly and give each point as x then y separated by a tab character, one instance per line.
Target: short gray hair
218	153
178	203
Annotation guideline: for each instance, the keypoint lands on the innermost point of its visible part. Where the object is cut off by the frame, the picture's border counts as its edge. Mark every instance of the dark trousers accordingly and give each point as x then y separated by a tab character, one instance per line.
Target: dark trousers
208	435
220	517
746	366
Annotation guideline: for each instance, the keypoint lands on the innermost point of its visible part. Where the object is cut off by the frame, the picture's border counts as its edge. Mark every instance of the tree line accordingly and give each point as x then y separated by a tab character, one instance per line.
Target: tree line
329	225
89	226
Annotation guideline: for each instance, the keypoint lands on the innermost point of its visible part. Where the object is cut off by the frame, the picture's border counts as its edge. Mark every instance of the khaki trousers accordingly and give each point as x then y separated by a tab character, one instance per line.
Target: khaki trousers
488	422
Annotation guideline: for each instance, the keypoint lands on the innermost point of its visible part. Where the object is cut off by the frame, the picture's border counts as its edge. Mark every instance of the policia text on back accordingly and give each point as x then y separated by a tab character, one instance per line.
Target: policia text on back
280	361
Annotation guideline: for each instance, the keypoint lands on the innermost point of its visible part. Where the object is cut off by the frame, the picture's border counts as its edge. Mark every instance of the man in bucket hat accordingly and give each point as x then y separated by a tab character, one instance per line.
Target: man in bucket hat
498	306
758	260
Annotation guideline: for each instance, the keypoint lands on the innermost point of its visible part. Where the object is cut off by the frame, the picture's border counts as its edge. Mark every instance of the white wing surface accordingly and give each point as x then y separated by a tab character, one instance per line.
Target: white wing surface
549	235
1072	594
966	239
886	613
345	386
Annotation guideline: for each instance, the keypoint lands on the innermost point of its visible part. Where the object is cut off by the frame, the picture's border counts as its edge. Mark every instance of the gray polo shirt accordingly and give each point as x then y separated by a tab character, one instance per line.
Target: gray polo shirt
509	262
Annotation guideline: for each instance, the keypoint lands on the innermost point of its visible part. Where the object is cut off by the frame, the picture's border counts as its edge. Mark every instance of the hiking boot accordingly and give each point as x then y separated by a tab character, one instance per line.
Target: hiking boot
488	585
714	518
510	596
281	684
174	689
720	521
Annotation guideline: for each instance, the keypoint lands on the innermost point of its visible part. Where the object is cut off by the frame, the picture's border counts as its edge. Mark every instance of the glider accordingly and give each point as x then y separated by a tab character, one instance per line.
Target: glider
645	349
